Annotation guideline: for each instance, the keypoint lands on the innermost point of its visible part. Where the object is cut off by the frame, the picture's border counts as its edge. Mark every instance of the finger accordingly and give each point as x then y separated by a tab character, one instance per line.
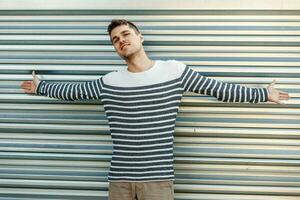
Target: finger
284	98
287	97
24	82
26	85
26	88
28	82
282	92
284	95
28	91
273	83
35	78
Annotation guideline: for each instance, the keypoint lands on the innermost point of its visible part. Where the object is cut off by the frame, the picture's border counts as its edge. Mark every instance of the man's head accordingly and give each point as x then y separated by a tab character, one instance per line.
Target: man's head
125	37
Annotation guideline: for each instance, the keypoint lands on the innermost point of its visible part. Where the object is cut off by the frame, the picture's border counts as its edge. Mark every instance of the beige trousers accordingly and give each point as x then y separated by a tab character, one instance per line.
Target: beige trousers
154	190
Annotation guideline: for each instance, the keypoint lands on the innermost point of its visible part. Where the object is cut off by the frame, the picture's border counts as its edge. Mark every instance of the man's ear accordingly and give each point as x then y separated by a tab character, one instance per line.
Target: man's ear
142	38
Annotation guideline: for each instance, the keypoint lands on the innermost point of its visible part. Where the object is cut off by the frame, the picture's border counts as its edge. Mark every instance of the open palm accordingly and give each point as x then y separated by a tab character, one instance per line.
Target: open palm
276	95
31	86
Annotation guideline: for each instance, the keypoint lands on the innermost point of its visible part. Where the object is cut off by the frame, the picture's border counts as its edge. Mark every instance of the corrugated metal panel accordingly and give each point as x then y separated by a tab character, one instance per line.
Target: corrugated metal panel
52	149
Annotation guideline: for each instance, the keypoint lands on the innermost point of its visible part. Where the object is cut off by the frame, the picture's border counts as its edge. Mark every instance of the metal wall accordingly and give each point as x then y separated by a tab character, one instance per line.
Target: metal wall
53	149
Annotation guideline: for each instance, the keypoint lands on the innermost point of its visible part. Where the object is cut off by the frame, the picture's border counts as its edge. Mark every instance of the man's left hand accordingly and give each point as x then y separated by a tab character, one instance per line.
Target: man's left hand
276	95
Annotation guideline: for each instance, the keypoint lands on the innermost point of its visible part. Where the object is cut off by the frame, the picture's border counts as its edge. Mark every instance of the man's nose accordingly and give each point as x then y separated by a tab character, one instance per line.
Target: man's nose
122	40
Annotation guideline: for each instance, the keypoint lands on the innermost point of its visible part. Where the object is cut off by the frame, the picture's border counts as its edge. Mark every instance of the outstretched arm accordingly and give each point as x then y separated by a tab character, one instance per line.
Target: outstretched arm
194	82
64	91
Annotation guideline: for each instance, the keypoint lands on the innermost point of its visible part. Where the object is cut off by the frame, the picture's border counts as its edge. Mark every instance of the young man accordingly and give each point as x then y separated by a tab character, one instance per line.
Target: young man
141	103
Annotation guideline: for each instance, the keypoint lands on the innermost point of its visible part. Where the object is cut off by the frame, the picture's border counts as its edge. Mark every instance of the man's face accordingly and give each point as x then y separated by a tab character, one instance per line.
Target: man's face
126	41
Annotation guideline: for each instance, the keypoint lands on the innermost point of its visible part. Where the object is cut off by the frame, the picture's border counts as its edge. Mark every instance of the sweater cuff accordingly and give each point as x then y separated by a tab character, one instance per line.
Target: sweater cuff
265	95
39	88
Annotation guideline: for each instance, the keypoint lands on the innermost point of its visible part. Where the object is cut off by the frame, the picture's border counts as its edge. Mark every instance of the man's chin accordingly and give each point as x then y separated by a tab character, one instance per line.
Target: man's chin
126	56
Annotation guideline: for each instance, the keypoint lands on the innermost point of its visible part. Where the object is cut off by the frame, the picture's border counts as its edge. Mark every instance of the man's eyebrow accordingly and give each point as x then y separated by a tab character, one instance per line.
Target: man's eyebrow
120	33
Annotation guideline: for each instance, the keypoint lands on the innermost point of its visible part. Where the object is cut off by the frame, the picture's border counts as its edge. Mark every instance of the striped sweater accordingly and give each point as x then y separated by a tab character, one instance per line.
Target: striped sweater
141	109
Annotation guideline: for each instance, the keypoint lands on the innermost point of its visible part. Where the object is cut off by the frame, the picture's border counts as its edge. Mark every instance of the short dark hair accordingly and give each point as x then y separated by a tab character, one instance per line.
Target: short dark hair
118	22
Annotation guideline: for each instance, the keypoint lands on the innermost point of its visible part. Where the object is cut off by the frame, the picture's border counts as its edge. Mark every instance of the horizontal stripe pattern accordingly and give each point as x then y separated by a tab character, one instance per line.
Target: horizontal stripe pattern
226	92
71	91
142	128
142	119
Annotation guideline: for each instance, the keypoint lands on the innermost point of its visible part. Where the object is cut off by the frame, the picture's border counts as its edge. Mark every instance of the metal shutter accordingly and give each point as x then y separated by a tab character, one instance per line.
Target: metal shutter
52	149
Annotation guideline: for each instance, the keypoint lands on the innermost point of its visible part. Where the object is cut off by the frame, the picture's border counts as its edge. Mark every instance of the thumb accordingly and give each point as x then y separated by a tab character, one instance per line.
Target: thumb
35	78
273	83
33	74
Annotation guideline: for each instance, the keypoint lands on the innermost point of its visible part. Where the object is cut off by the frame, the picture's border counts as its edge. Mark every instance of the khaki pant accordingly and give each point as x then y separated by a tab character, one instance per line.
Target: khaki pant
156	190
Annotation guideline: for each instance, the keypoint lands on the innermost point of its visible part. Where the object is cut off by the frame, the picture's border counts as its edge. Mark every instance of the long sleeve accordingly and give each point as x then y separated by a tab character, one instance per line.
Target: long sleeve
194	82
71	91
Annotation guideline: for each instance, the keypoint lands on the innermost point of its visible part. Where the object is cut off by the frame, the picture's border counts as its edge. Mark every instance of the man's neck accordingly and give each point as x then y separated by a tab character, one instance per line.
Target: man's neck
139	63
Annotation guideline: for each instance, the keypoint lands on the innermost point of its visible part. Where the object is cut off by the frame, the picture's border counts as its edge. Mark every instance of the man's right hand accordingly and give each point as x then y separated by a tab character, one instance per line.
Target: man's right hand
31	86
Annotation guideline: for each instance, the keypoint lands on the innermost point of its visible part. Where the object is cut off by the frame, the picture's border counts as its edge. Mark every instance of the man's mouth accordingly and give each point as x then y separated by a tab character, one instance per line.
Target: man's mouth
123	46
